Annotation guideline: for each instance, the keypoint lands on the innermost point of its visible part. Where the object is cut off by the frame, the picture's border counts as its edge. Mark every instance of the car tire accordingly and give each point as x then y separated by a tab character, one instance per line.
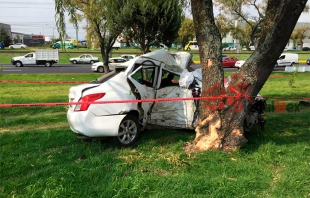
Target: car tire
74	62
100	69
22	47
18	64
92	62
11	47
128	131
48	64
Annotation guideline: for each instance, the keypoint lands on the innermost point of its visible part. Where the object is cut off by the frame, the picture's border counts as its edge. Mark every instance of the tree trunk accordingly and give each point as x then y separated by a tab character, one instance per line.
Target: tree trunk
220	121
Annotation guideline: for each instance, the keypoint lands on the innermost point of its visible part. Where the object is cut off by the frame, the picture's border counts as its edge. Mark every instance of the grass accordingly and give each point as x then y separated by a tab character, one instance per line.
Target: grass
40	156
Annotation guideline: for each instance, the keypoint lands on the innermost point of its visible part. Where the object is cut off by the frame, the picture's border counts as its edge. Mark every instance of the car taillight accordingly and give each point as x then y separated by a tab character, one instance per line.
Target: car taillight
86	100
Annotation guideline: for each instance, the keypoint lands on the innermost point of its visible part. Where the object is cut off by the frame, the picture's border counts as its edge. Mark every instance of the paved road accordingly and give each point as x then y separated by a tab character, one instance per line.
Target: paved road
73	69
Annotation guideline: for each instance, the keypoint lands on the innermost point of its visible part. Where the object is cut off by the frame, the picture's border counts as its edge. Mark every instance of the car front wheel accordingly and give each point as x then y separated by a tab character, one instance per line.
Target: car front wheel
100	69
18	64
128	131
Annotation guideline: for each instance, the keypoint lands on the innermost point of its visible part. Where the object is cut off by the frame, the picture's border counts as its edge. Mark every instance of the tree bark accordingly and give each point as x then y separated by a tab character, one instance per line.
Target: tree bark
220	121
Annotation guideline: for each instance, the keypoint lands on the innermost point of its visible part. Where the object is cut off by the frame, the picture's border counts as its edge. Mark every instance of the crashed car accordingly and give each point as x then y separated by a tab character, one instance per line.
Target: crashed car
155	75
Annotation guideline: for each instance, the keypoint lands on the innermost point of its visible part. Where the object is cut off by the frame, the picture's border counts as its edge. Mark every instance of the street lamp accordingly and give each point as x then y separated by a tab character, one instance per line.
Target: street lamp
53	30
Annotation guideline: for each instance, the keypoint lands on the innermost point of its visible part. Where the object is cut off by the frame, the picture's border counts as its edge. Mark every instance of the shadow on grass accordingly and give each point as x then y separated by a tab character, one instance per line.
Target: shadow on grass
280	129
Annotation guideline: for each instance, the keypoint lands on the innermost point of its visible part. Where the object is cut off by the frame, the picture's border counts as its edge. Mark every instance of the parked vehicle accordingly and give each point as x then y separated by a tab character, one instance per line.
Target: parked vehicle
128	56
67	44
308	61
305	49
84	58
229	61
39	57
113	62
2	45
156	75
229	48
191	45
287	60
293	49
18	46
239	63
116	45
73	41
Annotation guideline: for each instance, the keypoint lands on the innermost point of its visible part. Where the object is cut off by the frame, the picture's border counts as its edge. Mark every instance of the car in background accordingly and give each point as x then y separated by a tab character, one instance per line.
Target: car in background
229	61
113	62
305	49
18	46
229	48
308	61
292	49
239	63
128	56
84	58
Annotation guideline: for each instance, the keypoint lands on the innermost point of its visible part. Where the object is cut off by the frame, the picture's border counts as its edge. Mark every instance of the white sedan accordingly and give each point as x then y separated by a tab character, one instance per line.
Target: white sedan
18	46
95	109
113	62
239	63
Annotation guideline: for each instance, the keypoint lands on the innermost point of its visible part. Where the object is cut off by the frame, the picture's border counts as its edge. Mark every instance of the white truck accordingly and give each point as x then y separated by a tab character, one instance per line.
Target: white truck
116	45
39	57
287	60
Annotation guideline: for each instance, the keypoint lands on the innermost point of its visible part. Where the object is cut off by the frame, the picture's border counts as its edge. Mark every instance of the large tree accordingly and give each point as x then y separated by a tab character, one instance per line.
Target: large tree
220	123
103	19
4	37
299	34
153	22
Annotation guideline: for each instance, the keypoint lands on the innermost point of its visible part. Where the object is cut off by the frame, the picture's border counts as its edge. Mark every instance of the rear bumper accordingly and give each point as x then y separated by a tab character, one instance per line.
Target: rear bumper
90	125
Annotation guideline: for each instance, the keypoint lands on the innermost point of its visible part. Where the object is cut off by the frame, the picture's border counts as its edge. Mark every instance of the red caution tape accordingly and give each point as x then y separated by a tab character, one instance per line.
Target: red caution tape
136	101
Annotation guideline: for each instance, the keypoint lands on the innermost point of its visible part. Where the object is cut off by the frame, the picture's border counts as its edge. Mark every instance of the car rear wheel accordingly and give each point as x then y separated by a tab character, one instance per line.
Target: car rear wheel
92	62
100	69
74	62
128	131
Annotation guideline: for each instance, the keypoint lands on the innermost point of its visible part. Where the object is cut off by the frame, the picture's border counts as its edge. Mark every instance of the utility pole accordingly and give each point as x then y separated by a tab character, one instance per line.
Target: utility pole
77	39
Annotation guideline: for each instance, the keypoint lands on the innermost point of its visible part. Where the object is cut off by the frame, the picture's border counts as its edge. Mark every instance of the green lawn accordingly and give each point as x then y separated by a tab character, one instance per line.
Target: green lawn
40	156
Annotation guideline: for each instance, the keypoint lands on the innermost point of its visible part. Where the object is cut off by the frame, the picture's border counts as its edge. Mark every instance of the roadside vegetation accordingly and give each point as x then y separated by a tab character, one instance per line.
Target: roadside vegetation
40	156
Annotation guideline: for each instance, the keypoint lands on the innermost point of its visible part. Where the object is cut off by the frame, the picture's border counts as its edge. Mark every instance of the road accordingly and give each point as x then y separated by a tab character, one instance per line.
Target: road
75	69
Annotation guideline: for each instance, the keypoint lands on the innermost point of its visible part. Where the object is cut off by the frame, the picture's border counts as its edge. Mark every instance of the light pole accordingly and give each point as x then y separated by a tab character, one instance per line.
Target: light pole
53	31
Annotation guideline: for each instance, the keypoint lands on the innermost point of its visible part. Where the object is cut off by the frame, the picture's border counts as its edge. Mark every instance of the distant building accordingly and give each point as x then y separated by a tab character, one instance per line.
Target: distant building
306	42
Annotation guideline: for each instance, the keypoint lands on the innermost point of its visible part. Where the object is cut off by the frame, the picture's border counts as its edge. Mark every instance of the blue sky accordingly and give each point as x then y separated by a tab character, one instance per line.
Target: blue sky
37	17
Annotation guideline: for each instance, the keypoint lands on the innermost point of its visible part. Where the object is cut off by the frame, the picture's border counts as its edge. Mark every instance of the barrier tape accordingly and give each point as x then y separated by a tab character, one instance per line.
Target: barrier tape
139	101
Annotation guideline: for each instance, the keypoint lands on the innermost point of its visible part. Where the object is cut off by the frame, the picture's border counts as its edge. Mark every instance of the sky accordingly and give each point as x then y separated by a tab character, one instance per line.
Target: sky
34	17
38	17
